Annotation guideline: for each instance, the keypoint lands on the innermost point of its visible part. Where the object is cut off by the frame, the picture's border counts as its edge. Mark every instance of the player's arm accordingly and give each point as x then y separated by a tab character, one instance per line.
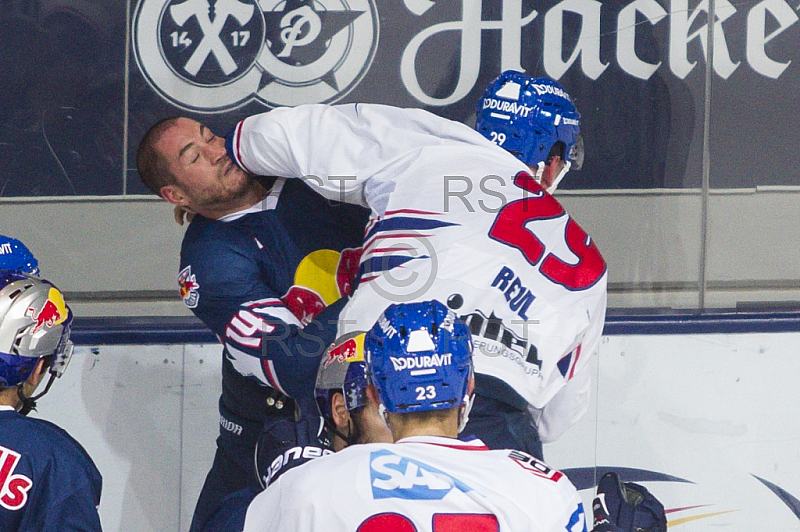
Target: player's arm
570	403
338	149
286	443
264	340
565	408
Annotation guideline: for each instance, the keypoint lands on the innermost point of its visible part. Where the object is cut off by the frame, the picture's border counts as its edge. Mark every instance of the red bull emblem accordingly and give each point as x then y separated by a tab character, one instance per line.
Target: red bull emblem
304	303
188	287
321	278
342	352
351	350
53	312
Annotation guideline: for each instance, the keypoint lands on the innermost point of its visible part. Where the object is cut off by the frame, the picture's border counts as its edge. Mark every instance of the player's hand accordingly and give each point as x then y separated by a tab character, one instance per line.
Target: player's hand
626	507
179	212
286	443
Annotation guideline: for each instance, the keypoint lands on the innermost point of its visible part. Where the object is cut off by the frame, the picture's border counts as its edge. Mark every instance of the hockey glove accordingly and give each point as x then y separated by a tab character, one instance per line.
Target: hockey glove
285	443
626	507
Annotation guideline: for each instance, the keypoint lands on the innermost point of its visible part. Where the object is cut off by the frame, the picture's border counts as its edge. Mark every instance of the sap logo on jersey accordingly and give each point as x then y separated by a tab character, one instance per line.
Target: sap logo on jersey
422	362
396	477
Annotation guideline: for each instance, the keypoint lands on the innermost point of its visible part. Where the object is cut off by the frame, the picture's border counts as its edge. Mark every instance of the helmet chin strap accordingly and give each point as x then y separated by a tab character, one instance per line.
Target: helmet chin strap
29	403
559	177
352	433
537	175
463	413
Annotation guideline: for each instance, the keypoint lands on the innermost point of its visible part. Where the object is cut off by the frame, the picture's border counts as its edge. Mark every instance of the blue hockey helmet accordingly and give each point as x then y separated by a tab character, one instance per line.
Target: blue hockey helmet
342	369
34	322
419	357
15	257
528	116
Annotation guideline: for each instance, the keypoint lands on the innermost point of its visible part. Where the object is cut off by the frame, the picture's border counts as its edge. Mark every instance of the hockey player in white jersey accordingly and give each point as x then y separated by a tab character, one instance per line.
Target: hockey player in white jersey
457	219
420	369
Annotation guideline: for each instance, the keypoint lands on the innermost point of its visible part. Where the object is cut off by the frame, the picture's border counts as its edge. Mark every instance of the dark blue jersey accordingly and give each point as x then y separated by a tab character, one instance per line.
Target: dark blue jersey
48	482
230	511
263	280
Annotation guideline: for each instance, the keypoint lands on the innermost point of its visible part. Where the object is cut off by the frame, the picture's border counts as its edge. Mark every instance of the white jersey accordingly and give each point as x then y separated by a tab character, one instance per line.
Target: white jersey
451	207
421	483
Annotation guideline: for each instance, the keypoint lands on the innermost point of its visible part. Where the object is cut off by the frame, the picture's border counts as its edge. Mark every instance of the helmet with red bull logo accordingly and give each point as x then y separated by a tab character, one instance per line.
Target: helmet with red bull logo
35	322
419	358
342	369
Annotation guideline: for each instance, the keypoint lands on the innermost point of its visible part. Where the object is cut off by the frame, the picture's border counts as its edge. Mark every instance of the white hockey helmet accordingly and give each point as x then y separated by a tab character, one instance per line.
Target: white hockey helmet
35	322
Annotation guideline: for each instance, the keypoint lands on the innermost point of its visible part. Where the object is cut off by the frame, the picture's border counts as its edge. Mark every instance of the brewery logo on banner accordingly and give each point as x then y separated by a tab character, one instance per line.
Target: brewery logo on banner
216	55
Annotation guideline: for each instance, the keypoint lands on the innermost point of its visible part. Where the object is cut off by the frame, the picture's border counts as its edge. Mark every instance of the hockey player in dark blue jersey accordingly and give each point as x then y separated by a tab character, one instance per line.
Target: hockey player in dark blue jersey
48	482
263	264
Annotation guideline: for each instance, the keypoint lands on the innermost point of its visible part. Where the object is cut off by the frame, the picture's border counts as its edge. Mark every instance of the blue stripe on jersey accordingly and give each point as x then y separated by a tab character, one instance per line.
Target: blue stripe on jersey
405	223
563	365
385	263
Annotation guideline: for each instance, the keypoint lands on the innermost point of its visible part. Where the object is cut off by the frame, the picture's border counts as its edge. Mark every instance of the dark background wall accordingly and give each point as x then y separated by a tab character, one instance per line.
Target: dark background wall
76	98
690	183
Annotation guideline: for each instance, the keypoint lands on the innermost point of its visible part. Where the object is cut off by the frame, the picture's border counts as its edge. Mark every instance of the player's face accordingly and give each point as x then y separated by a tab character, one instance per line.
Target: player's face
206	177
551	172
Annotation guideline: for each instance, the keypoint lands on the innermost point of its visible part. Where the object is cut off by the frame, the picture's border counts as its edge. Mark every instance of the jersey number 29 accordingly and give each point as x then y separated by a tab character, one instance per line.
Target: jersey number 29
509	228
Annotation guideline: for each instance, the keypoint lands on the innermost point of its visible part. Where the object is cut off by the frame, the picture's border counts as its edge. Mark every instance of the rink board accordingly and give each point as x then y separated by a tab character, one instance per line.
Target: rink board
708	422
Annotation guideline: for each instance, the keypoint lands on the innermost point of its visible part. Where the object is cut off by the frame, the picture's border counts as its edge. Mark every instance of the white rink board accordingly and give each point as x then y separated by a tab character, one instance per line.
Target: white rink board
148	417
717	410
712	409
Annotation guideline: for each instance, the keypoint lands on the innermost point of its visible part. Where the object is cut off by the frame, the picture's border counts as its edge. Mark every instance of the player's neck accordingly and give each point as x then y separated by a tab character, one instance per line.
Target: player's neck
255	193
8	397
433	427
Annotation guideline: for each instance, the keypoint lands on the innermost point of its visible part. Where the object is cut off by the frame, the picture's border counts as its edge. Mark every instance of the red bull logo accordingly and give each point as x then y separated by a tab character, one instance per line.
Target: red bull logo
188	287
53	312
321	278
305	304
351	350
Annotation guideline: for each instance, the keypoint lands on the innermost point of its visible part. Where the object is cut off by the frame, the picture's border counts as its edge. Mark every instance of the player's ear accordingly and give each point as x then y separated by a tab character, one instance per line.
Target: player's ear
471	385
35	378
174	195
341	417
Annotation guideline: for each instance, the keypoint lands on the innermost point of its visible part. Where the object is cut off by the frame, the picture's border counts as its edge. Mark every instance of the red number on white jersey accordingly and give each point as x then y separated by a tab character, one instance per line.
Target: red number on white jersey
441	523
509	228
